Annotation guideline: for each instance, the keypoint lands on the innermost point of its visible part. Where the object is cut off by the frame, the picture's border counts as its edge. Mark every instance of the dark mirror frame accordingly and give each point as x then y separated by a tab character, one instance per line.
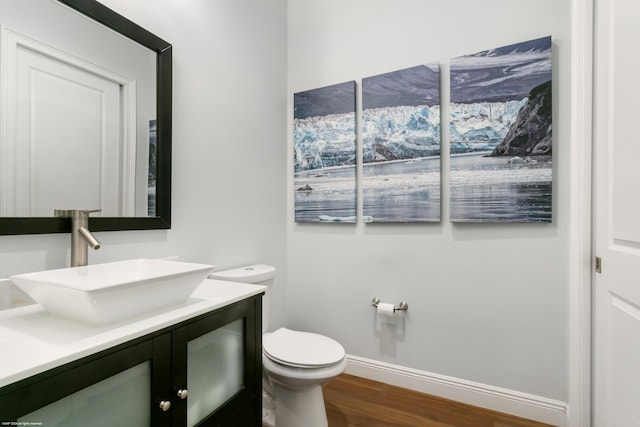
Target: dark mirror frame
44	225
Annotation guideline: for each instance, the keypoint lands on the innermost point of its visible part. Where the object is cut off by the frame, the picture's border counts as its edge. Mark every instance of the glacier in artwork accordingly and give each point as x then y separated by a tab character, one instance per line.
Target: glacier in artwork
324	141
481	126
403	132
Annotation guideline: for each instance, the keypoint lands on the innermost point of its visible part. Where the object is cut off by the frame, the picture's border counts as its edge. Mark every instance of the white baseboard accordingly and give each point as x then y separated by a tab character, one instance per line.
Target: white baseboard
511	402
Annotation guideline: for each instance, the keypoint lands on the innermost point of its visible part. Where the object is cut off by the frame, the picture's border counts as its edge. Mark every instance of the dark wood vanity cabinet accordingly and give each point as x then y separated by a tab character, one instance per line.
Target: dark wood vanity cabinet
205	371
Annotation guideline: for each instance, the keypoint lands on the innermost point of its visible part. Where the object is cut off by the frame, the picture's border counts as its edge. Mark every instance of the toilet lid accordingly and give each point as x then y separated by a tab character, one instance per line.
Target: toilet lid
301	349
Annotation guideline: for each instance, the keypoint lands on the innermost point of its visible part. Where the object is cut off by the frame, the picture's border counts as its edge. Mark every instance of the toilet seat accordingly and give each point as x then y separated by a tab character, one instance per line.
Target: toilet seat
301	349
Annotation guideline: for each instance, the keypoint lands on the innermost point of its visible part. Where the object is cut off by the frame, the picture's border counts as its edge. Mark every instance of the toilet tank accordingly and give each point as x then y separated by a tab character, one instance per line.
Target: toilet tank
258	274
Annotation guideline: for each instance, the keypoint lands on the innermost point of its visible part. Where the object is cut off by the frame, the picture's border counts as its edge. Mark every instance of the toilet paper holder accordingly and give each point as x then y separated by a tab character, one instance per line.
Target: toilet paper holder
402	306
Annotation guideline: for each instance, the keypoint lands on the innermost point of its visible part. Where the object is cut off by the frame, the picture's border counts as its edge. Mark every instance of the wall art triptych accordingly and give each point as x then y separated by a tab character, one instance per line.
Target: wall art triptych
500	146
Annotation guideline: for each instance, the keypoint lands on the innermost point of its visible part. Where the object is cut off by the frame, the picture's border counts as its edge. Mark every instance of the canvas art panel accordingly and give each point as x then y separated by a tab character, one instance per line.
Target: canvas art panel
151	181
401	145
324	139
501	134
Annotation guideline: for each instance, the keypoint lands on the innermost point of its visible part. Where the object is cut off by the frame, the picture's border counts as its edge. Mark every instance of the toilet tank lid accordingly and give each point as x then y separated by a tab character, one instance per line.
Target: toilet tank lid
249	274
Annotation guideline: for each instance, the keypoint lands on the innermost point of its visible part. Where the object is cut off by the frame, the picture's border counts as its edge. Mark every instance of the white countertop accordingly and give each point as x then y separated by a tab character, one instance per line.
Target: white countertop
33	341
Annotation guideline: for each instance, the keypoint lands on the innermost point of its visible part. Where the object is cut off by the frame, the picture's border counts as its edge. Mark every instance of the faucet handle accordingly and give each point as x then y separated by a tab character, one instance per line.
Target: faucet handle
84	213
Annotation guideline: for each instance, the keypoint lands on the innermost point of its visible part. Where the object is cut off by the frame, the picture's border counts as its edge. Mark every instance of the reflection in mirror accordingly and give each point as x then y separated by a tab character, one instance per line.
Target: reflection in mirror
86	121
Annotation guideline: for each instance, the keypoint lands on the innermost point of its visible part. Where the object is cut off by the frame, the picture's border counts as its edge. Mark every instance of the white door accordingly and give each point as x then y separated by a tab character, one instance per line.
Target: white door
616	340
67	138
68	133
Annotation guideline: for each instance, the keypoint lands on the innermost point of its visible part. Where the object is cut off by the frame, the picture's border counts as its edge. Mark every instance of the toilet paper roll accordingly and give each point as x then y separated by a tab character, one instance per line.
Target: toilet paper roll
385	309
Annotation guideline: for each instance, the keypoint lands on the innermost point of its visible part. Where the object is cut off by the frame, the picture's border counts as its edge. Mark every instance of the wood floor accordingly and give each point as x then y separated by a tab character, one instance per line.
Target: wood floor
357	402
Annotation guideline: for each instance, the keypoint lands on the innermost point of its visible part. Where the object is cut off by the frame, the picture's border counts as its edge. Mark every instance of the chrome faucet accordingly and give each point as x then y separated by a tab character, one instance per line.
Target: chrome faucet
81	237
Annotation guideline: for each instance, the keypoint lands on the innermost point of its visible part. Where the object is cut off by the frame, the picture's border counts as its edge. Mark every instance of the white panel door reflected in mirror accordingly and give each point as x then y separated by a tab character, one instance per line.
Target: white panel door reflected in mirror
66	134
77	107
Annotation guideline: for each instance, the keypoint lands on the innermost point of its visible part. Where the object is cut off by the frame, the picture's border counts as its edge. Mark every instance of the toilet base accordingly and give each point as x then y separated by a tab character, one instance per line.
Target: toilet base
300	407
268	411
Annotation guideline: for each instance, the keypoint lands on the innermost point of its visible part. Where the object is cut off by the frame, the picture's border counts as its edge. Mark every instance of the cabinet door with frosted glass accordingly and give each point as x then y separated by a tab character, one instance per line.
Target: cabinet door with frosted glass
217	369
116	388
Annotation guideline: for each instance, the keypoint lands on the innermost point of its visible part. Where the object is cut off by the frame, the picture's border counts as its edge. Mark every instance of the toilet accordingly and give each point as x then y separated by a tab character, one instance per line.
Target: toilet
295	363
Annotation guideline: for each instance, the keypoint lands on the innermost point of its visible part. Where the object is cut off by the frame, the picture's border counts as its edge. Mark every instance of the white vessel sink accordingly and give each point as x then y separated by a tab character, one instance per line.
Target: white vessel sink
105	293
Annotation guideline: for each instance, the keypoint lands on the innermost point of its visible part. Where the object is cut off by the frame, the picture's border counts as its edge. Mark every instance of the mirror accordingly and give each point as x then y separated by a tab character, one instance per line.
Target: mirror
145	121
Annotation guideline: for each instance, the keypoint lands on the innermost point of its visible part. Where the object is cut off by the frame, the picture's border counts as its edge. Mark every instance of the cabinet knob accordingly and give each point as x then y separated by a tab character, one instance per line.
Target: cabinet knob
165	405
182	393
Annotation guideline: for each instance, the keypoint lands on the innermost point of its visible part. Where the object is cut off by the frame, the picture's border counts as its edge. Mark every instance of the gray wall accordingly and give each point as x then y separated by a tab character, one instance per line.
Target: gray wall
487	302
229	151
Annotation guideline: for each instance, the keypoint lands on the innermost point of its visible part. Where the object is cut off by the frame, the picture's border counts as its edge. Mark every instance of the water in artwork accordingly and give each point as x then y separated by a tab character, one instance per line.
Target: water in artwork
505	189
